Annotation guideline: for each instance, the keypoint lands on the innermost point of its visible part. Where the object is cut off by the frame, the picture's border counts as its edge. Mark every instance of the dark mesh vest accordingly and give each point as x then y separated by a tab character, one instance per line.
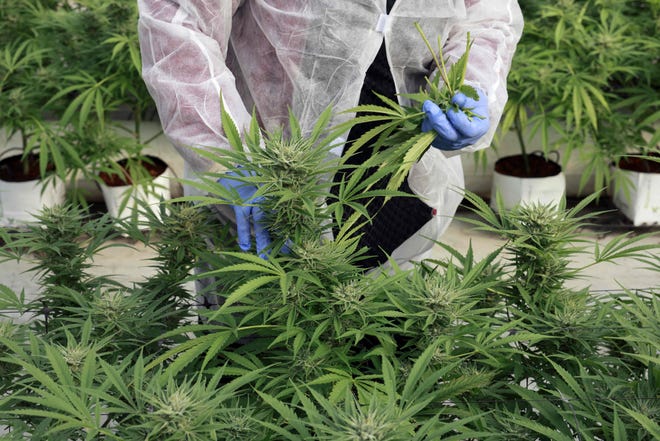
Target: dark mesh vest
400	217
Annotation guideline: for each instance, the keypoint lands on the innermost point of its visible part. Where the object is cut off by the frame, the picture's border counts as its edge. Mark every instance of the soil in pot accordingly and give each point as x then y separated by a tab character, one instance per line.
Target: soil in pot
22	191
153	165
18	169
641	165
515	166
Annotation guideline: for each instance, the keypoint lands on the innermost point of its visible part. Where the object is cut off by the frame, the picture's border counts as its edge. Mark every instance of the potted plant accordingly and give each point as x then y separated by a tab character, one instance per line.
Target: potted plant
529	176
636	169
68	83
625	144
107	99
635	188
580	70
133	182
623	48
151	173
34	160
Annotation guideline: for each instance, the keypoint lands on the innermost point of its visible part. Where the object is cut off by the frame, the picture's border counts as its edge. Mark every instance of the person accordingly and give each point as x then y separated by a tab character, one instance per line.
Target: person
304	55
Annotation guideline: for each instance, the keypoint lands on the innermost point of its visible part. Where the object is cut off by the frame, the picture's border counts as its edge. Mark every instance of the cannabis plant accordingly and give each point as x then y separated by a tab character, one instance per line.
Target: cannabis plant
568	352
63	242
68	70
584	70
26	85
308	345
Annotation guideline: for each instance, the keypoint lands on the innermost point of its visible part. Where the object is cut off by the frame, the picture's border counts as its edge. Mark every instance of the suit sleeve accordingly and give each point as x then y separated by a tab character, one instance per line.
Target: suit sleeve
184	46
495	26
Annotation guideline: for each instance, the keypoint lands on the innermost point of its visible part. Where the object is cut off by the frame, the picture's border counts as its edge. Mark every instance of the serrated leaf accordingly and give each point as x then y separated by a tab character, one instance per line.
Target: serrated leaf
289	416
551	433
420	144
368	136
651	426
228	126
182	349
619	428
469	91
417	371
244	290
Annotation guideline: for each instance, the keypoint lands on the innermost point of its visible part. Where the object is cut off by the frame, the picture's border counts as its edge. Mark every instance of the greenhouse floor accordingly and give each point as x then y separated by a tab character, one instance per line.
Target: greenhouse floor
132	263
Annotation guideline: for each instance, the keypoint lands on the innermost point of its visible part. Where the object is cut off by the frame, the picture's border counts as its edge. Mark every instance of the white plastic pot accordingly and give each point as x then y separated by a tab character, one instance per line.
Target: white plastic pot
21	201
546	184
637	195
516	191
122	201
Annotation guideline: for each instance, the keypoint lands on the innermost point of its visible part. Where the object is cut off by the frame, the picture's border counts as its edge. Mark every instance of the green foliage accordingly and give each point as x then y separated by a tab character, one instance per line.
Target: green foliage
65	242
67	69
307	345
25	86
587	70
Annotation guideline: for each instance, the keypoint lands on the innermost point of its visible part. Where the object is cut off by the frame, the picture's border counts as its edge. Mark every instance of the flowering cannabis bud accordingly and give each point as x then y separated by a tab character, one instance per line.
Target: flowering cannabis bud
349	296
74	355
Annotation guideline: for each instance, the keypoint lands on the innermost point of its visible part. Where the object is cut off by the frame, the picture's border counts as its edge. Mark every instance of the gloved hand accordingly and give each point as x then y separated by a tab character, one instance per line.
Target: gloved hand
249	215
455	129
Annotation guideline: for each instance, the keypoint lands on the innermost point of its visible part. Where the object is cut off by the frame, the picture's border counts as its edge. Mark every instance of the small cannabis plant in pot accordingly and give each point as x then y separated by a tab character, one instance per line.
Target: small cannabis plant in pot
26	84
583	80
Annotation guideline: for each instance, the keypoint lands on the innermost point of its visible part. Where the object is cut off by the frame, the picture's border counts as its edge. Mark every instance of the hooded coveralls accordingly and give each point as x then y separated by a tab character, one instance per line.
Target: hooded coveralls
303	55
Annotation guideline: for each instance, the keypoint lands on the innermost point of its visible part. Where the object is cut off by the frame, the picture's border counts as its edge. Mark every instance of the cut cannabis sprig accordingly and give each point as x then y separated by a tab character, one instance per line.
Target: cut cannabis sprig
398	141
452	80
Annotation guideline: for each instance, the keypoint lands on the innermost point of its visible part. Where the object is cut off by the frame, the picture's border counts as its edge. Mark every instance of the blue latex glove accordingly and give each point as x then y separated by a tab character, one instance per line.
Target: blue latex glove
455	130
249	215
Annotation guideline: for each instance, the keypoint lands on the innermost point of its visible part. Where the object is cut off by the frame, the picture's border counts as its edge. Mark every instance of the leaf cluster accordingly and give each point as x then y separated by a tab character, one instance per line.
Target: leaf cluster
586	70
67	69
398	138
308	345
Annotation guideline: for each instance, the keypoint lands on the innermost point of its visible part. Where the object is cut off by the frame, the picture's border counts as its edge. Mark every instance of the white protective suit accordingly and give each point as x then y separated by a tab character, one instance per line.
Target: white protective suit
307	54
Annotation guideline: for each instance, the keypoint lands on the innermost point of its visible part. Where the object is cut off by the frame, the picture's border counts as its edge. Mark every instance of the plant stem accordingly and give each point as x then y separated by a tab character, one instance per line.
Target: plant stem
440	63
24	141
523	148
137	119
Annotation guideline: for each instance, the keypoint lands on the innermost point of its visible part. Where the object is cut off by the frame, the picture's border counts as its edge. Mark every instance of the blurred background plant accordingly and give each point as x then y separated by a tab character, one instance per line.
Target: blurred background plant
585	79
70	75
27	82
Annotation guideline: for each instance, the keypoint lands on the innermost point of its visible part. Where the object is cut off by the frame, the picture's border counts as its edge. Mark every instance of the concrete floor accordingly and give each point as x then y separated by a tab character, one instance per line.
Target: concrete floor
131	264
